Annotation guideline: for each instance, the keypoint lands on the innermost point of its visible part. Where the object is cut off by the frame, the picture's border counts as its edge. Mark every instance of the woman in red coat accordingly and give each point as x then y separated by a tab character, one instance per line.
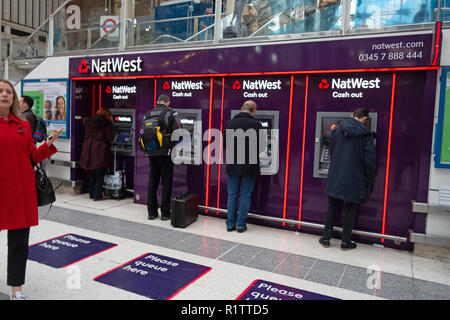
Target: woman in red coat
18	199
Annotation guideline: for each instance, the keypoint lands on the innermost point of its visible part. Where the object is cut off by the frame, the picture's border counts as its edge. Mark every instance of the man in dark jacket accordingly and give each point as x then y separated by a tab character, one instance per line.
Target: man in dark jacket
25	104
242	143
351	175
161	165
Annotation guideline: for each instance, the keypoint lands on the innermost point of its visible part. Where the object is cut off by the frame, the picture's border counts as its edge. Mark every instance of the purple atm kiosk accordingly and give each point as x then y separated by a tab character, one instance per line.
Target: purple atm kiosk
301	89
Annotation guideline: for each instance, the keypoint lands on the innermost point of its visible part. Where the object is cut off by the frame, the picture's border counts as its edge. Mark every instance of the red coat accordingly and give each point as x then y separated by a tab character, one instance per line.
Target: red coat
18	199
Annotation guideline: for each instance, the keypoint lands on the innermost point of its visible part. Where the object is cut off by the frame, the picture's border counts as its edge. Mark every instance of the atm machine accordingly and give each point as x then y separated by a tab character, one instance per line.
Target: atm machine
191	120
269	156
124	125
325	123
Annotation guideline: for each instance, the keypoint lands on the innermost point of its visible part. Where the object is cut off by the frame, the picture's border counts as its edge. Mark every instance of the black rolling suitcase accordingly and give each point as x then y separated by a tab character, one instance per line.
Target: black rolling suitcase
184	209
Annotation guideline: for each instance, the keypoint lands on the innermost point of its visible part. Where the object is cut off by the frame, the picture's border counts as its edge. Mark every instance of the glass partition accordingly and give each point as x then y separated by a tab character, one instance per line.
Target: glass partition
87	25
170	22
371	14
300	16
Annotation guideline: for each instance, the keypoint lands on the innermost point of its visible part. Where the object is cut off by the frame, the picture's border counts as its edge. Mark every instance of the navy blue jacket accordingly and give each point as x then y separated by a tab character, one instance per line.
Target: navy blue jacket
250	167
352	170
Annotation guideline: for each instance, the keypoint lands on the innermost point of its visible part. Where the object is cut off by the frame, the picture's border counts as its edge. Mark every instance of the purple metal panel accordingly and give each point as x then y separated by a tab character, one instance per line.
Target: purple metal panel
380	52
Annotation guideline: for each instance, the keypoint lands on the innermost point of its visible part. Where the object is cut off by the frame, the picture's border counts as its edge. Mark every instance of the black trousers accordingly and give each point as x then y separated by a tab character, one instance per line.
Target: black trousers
96	181
17	256
161	168
349	218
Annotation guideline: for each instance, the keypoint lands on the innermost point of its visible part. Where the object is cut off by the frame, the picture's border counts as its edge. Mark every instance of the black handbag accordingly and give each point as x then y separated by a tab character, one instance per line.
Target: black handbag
44	188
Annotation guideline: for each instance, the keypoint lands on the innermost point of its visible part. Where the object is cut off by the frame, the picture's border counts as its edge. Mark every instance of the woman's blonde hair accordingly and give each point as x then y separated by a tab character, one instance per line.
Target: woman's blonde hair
14	108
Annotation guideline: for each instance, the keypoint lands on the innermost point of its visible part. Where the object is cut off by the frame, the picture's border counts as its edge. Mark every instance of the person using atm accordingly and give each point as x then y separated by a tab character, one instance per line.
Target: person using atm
243	166
351	175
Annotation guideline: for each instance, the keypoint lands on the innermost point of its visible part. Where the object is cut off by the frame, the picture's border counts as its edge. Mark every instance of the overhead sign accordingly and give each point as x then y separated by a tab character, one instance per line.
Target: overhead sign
154	276
67	249
265	290
109	26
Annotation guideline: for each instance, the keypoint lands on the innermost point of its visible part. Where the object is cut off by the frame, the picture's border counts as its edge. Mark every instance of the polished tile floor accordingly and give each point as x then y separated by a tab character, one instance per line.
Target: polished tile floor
236	259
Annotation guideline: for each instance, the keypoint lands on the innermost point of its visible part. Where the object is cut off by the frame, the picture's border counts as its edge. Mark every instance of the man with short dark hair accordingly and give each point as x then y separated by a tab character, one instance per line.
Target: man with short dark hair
351	175
242	164
161	165
25	104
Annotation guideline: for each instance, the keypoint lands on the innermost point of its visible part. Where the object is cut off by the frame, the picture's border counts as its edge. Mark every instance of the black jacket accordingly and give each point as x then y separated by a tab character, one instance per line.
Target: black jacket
31	117
170	124
248	153
352	171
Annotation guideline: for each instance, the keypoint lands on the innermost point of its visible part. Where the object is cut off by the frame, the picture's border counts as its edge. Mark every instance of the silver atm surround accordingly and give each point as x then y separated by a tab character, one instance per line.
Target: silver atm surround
269	158
124	126
322	156
187	118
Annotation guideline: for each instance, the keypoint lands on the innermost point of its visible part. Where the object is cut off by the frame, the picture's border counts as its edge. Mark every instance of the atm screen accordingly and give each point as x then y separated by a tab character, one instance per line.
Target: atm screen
123	137
328	124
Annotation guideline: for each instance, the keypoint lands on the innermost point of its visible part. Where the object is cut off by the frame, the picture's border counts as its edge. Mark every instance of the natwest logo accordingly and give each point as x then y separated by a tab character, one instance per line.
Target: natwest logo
324	84
112	65
123	89
83	67
261	85
355	83
183	85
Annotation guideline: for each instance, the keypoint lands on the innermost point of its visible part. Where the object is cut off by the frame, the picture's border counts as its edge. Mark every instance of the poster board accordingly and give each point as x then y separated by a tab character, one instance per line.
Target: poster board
442	133
51	102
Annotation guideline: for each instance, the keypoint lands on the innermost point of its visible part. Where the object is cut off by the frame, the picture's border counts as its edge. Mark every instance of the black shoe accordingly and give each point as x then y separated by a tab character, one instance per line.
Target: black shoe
348	245
324	242
152	217
229	229
240	230
165	217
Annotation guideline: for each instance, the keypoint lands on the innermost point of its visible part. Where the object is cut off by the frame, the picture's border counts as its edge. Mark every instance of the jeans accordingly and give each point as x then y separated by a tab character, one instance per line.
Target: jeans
349	219
245	186
96	183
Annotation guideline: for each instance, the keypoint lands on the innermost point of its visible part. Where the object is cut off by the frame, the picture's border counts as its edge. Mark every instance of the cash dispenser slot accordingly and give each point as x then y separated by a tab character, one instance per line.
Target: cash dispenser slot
325	123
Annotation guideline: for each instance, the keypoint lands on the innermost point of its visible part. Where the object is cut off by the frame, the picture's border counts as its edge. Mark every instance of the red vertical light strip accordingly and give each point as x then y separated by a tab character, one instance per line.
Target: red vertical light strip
388	159
303	152
286	177
208	166
154	95
99	95
437	44
220	144
93	100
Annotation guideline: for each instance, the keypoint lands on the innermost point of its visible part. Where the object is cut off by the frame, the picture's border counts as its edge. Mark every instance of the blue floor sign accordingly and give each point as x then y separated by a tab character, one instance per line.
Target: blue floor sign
154	276
66	249
265	290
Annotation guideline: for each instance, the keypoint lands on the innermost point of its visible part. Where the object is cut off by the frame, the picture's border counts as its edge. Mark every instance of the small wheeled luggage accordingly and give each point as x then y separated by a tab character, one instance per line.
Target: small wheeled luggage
114	182
184	209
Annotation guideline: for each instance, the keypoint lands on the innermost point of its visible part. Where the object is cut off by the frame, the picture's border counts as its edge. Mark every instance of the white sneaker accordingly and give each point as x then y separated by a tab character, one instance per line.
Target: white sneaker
19	296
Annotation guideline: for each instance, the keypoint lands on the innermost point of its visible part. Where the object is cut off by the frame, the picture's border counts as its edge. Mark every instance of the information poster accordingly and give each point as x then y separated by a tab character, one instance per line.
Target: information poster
51	102
442	139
